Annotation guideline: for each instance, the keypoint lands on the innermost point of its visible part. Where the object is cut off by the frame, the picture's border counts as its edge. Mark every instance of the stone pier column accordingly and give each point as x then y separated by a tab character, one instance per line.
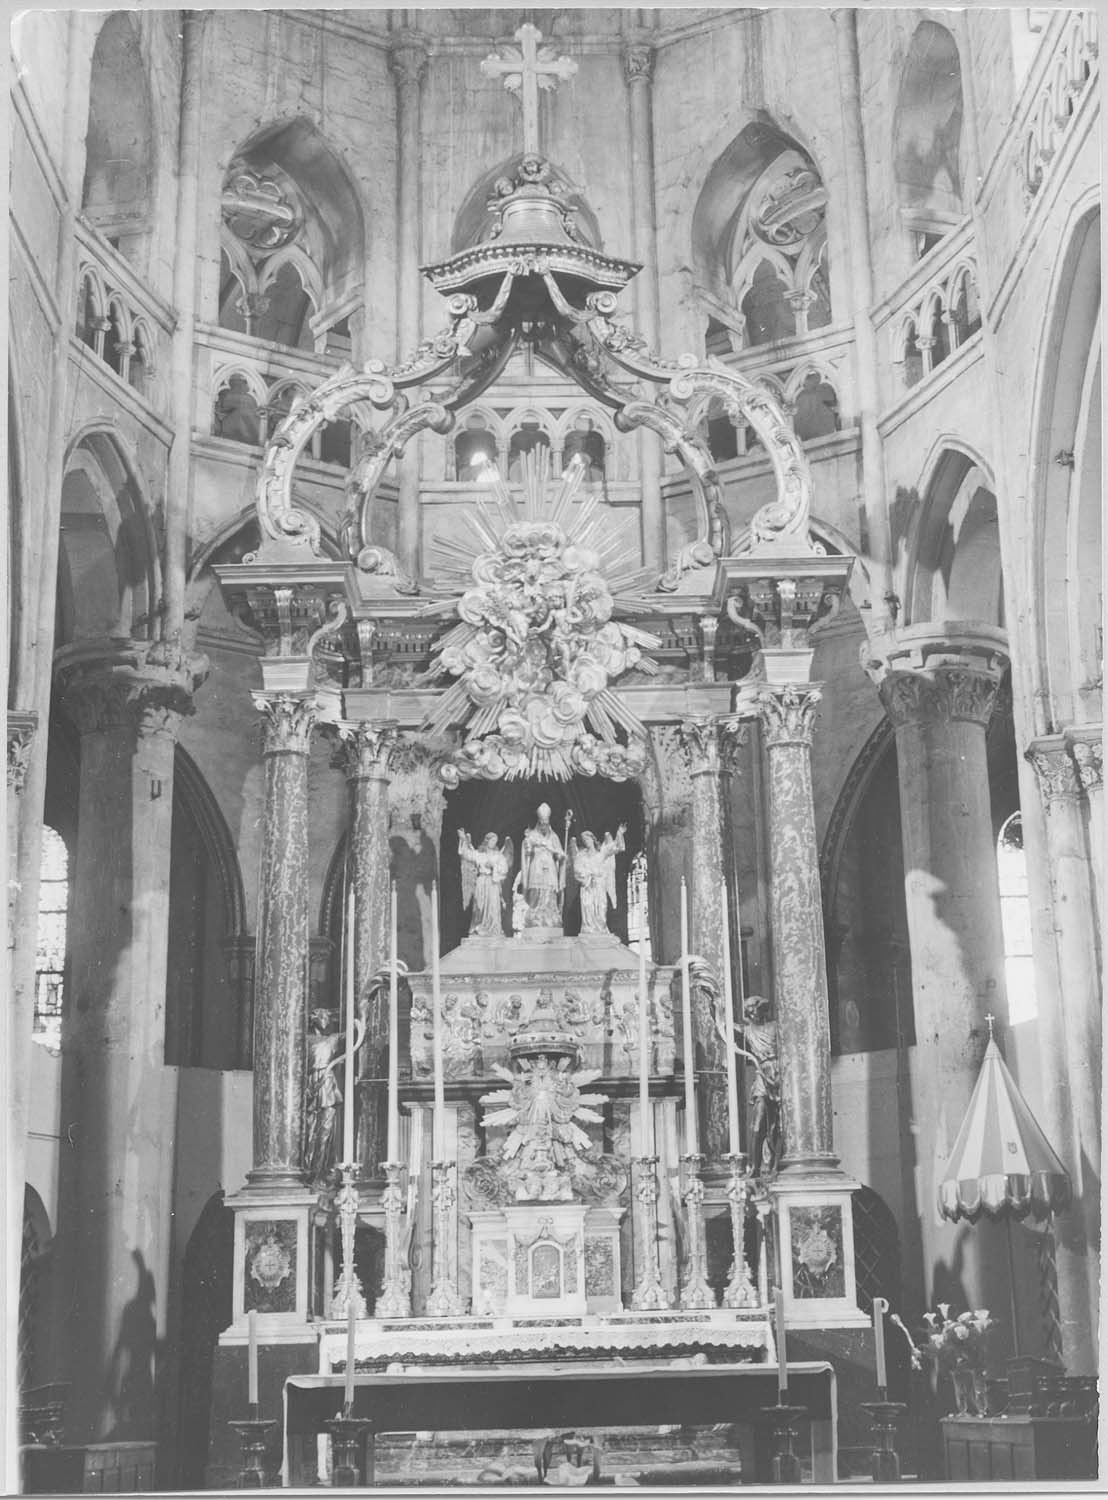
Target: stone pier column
1086	745
638	61
408	61
700	738
281	989
787	715
363	753
1070	1031
939	690
118	1097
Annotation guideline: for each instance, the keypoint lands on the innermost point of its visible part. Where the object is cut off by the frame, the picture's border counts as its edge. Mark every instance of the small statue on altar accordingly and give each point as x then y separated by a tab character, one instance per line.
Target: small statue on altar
594	868
484	871
326	1052
542	874
545	1146
759	1046
570	1460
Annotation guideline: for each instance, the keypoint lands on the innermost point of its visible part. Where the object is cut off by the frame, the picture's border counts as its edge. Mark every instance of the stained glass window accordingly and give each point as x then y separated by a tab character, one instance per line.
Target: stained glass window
53	912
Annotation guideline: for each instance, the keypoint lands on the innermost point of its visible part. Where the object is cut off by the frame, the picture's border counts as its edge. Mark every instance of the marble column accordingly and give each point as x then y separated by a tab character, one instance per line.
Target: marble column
787	715
21	736
408	61
700	738
281	986
1069	1032
363	754
939	691
118	1109
638	62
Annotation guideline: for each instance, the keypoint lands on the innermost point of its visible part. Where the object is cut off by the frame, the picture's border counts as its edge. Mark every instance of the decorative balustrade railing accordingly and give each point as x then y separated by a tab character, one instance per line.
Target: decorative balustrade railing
933	312
1063	74
118	317
246	387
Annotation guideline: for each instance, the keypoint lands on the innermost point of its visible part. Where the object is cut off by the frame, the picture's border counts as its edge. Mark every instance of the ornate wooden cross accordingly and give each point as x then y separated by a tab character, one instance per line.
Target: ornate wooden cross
525	71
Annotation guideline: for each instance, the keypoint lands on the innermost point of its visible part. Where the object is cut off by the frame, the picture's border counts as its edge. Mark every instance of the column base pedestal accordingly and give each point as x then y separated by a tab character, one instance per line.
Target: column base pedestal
815	1237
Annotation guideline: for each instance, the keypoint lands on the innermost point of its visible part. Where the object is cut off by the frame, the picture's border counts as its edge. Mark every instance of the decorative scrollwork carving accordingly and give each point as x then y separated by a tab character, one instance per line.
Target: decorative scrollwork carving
288	722
787	713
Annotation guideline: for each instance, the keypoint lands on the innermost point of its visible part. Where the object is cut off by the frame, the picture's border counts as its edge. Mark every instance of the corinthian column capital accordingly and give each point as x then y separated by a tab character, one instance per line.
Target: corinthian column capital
1054	768
638	58
699	737
21	736
143	687
363	750
787	713
928	673
1087	749
408	56
288	721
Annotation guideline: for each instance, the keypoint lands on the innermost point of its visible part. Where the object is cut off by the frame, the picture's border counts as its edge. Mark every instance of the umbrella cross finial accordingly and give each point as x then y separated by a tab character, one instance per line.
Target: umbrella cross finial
990	1018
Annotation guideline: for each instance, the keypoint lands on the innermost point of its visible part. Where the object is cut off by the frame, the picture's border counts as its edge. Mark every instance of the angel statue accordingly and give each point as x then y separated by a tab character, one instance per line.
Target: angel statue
542	874
594	868
759	1047
545	1145
484	871
326	1053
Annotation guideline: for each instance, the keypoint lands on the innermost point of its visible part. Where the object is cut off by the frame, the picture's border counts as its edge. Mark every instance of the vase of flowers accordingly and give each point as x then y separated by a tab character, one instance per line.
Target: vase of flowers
958	1347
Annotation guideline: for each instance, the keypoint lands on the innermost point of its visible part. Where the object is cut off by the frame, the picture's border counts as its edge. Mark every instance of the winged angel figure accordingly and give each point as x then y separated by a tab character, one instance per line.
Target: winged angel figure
545	1147
593	862
484	871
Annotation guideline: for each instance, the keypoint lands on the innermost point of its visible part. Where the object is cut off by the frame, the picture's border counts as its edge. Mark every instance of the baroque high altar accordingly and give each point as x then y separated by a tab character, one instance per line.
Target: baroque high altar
541	1151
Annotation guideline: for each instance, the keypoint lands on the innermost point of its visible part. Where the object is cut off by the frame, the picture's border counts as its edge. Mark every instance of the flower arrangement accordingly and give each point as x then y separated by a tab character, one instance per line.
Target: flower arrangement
952	1343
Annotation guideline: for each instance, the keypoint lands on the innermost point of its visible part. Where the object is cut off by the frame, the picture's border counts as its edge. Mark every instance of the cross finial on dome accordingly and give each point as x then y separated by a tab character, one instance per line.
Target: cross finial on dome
525	71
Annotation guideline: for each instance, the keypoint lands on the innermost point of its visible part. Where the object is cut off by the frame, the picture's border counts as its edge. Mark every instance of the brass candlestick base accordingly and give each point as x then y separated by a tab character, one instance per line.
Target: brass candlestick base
650	1294
783	1420
741	1291
695	1292
254	1433
884	1459
444	1301
348	1434
395	1300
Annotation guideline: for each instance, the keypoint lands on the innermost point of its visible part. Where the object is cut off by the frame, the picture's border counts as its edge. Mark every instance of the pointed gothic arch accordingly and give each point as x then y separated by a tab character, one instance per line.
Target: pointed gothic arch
121	139
927	133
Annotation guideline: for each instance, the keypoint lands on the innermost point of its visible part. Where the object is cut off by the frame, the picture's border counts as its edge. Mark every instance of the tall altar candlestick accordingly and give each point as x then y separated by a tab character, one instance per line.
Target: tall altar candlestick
647	1126
393	1136
880	1308
691	1145
348	1384
348	1058
252	1361
438	1122
779	1337
729	1027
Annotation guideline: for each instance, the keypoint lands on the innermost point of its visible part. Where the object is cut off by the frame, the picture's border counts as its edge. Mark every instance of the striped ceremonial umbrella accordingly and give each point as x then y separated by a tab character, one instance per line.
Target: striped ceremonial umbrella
1002	1164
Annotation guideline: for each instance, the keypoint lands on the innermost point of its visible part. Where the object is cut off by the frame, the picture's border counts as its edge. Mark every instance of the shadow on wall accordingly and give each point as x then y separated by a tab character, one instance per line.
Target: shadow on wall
129	1384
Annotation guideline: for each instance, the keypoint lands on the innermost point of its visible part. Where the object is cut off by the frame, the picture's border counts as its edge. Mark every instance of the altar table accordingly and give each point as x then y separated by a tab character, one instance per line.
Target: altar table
558	1400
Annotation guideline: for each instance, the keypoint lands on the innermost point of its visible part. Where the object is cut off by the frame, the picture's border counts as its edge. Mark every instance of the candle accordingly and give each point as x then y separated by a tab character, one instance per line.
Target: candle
348	1389
252	1360
691	1144
348	1060
394	1035
729	1027
880	1308
646	1125
438	1121
779	1334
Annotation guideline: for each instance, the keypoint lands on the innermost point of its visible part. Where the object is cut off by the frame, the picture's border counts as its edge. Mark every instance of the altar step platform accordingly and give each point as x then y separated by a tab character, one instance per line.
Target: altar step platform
671	1397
